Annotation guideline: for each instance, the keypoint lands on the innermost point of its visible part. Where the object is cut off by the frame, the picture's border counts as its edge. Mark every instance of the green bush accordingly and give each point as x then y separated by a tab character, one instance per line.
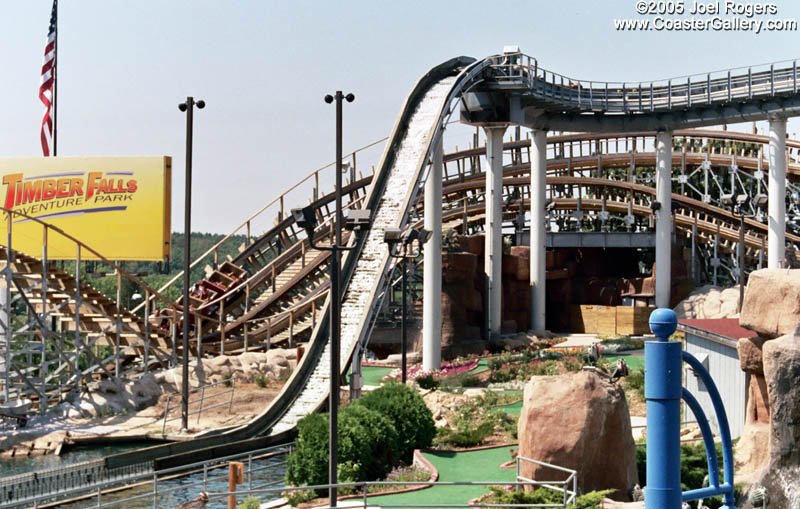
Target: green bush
465	438
367	447
250	503
365	430
427	382
636	380
406	409
308	463
499	495
260	380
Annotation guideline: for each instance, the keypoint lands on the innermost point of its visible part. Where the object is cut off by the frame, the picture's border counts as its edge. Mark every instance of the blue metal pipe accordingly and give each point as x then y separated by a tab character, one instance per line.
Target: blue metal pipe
708	439
722	421
710	491
662	388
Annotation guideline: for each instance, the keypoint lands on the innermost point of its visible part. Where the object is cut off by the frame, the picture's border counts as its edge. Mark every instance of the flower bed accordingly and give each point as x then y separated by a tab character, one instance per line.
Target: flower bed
416	373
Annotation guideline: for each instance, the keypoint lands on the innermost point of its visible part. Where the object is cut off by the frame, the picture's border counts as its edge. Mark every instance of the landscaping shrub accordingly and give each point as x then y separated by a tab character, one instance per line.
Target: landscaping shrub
406	409
465	437
636	381
250	503
366	447
427	382
508	495
367	431
308	463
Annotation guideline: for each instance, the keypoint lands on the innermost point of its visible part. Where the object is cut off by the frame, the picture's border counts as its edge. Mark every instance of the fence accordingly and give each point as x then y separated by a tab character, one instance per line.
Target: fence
35	488
199	411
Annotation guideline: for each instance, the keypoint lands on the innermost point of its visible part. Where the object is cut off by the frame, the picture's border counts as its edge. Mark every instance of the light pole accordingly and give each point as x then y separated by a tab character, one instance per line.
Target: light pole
305	219
188	107
400	246
737	209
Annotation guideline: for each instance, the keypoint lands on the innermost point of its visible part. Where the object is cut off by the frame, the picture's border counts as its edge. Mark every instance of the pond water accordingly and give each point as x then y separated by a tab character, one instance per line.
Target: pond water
171	492
14	466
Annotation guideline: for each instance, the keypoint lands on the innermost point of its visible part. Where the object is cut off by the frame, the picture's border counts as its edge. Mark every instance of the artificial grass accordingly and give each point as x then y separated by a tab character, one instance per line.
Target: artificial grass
372	375
512	409
634	362
481	466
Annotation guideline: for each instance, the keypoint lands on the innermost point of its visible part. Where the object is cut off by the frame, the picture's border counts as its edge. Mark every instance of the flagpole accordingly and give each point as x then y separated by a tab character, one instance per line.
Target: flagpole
55	88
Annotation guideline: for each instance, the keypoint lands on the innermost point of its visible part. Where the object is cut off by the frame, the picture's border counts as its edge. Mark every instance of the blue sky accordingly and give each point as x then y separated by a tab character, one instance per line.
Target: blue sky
264	66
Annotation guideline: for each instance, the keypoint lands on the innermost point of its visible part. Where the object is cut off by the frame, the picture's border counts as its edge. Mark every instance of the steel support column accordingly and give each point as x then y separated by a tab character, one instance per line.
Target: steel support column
493	258
776	242
432	265
663	217
538	251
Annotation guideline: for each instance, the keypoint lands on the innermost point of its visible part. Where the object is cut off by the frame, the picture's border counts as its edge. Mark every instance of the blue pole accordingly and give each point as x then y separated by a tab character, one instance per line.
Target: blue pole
662	390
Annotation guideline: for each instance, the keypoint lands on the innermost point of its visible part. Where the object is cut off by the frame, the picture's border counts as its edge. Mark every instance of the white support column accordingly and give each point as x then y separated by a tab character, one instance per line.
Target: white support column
663	217
538	251
776	238
493	253
432	265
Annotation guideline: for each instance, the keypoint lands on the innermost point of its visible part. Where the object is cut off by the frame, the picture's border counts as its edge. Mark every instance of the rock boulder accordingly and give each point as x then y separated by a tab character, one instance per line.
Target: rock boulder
781	477
772	302
710	302
749	350
578	421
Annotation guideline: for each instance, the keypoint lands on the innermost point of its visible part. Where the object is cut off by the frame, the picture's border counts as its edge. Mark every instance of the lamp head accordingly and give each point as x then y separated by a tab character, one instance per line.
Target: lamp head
424	236
200	104
329	98
349	98
726	199
357	219
305	219
741	199
182	106
391	236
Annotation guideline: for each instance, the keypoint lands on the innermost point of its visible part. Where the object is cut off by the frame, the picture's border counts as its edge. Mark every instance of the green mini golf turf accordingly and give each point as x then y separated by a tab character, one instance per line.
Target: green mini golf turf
512	409
373	374
483	465
634	362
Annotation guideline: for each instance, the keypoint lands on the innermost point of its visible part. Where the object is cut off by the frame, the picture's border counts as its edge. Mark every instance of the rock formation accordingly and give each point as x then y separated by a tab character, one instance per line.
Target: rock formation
578	421
752	450
708	302
772	302
781	477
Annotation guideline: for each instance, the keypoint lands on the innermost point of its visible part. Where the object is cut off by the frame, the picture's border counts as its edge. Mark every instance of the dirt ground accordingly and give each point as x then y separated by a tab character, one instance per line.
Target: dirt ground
43	435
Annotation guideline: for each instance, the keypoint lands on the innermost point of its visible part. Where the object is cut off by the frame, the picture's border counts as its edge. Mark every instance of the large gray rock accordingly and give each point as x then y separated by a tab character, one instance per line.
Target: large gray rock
781	477
772	302
578	421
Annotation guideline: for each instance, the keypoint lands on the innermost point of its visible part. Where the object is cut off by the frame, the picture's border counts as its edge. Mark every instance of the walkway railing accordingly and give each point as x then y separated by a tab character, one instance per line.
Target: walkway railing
570	496
91	480
741	83
199	412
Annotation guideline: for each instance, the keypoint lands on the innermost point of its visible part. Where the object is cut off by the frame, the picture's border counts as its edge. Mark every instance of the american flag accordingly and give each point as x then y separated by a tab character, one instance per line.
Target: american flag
48	81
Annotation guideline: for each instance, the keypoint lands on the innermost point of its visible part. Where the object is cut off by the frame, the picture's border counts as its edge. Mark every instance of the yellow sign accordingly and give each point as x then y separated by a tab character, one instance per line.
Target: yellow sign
118	206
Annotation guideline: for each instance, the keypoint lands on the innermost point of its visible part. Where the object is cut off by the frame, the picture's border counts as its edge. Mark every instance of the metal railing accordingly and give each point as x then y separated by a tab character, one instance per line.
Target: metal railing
741	83
201	400
37	487
171	486
570	496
